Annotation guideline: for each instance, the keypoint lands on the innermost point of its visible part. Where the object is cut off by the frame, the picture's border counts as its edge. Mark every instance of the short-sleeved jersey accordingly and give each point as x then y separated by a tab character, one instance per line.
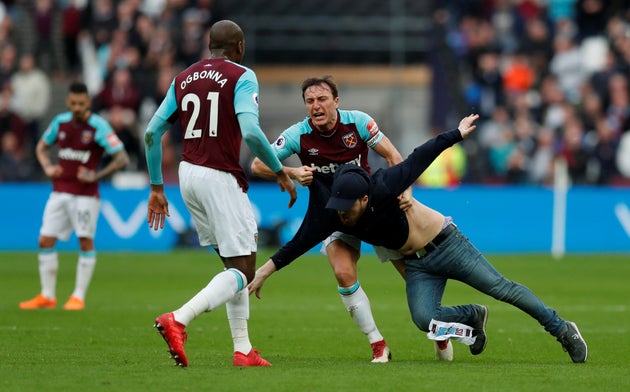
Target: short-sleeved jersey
206	99
353	134
81	143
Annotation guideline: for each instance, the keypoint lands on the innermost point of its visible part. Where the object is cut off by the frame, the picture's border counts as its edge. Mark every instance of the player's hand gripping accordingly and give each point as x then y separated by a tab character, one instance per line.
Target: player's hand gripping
303	175
157	208
467	126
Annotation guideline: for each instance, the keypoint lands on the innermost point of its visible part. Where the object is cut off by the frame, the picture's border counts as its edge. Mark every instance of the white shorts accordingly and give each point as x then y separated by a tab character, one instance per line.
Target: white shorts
220	209
65	212
383	254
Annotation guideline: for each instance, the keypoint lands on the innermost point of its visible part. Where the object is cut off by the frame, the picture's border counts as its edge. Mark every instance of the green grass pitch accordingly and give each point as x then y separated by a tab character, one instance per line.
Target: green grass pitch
300	325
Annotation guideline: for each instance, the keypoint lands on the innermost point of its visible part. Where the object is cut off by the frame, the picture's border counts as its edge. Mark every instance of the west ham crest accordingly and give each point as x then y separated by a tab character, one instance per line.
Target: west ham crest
349	140
86	136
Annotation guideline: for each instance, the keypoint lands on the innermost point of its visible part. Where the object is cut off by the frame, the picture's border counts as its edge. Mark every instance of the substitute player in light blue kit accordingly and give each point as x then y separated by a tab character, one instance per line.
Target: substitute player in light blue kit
216	103
327	138
82	137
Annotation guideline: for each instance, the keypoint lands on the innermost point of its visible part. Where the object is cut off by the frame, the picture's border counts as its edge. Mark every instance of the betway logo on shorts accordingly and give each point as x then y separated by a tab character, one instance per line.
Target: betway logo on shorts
332	167
74	155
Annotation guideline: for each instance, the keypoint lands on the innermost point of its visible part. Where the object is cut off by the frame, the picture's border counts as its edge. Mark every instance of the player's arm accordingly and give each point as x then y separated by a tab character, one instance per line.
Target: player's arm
42	151
302	174
257	142
119	160
157	209
107	138
246	109
285	146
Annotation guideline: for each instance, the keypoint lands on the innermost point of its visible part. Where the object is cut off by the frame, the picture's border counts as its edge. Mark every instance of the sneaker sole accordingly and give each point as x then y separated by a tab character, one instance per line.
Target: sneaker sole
581	338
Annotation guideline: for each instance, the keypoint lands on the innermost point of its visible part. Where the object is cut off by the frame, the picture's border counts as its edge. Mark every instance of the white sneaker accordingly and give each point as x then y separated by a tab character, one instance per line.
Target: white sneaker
443	350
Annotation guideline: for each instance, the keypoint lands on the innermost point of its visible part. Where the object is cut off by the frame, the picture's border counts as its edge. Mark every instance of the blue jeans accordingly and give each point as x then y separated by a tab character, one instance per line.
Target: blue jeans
457	258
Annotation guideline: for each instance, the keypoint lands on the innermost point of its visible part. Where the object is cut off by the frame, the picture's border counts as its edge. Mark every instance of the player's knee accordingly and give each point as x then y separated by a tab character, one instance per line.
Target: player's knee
45	242
346	278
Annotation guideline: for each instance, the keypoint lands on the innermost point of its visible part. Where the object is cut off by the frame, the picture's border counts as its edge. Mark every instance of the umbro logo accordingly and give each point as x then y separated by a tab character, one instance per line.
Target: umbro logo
313	151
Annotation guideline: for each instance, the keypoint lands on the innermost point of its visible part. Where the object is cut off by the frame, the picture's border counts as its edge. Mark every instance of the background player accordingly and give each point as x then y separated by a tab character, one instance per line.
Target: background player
82	138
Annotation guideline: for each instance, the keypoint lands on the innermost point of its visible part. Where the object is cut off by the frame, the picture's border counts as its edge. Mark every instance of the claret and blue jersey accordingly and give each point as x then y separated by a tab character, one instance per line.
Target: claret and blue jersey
353	135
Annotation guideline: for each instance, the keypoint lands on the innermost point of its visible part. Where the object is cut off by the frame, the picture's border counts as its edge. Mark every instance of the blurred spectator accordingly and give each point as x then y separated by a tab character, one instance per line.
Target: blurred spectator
111	54
591	18
623	156
551	111
605	143
191	38
573	150
8	63
124	123
13	166
31	96
102	22
447	169
120	90
486	92
618	104
71	27
598	80
45	49
11	122
518	74
540	167
507	24
566	66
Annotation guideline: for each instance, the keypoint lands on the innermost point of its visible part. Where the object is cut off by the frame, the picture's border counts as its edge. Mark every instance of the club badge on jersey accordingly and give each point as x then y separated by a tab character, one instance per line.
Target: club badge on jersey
349	140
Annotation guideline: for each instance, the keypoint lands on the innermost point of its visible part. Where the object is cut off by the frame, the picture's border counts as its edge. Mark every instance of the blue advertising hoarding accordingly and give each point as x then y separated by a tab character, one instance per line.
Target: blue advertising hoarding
497	219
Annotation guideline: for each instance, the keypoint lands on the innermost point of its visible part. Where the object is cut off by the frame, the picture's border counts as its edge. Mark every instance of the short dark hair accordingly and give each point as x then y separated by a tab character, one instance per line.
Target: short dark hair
315	81
78	88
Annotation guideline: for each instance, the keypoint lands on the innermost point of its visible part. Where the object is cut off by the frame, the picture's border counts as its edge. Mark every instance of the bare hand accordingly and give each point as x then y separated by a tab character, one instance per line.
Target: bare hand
466	126
157	209
53	171
86	175
286	184
405	199
256	285
303	175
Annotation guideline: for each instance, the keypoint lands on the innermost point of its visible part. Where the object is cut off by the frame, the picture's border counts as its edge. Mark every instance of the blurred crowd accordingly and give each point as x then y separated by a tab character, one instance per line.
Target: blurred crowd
126	51
550	79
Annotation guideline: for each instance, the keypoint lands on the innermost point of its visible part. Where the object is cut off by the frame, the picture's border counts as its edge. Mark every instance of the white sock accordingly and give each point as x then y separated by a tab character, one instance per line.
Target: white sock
85	270
238	313
48	267
220	290
358	304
